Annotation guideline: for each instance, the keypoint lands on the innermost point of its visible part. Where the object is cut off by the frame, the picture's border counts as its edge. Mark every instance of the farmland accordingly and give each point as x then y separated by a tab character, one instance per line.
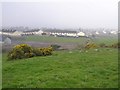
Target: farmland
65	68
106	39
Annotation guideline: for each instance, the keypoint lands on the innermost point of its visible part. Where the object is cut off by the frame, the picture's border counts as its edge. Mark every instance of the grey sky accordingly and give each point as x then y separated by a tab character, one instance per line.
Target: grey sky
64	14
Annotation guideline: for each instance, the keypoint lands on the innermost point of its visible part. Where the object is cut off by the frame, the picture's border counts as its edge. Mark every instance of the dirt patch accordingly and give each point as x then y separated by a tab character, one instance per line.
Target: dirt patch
69	46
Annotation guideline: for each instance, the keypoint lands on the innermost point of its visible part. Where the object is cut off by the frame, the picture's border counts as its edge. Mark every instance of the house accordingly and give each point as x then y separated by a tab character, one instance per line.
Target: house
104	32
7	32
81	34
113	32
62	33
40	32
17	33
97	33
30	32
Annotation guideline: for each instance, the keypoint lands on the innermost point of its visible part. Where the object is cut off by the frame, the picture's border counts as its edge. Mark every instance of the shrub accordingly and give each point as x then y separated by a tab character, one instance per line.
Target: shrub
20	51
29	55
24	47
90	45
42	51
47	51
37	52
16	54
26	51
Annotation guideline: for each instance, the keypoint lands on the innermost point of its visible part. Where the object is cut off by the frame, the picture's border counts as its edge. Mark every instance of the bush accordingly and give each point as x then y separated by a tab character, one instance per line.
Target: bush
37	52
16	54
26	51
24	47
20	51
90	45
42	51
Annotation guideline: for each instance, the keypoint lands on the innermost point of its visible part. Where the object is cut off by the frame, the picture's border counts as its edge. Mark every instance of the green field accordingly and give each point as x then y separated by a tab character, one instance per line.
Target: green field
108	40
64	69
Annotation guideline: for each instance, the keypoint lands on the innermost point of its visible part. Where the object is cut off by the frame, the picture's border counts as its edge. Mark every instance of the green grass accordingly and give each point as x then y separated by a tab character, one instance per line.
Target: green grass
64	70
107	40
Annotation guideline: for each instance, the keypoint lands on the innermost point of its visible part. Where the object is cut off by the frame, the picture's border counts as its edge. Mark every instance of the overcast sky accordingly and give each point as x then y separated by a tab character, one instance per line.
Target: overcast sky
61	14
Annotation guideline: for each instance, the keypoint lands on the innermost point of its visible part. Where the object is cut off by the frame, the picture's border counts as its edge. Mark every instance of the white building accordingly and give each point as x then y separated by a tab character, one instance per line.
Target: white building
104	32
17	33
81	34
97	33
39	32
113	32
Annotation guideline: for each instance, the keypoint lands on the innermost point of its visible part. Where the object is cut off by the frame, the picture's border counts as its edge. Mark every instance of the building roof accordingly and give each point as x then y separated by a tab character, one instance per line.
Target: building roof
8	30
60	31
33	30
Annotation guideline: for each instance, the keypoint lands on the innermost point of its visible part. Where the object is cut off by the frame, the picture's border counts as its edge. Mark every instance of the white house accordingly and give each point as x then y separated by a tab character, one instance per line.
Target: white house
39	32
80	34
104	32
97	33
17	33
113	32
61	33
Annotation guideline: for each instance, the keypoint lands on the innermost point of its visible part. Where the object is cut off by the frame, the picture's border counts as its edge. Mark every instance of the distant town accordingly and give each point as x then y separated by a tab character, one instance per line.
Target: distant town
20	31
6	32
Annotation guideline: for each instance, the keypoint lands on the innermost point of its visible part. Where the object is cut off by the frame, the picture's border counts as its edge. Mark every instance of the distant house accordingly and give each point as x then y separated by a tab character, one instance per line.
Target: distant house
81	34
17	33
97	33
40	32
104	32
30	32
7	32
113	32
61	33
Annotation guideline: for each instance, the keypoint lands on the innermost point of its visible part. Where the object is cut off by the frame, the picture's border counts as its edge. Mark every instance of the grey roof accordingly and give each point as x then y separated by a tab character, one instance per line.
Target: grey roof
8	30
60	31
33	30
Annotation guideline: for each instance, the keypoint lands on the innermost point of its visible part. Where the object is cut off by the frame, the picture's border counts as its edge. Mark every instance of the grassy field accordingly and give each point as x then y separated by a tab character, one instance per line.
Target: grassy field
64	69
108	40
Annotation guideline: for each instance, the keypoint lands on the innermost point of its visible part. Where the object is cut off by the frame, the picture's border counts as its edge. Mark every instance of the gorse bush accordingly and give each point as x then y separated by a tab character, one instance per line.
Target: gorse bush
16	54
42	51
25	51
24	47
21	51
90	45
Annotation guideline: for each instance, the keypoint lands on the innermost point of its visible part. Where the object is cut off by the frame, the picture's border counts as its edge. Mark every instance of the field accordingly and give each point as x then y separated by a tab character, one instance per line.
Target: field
98	40
64	69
